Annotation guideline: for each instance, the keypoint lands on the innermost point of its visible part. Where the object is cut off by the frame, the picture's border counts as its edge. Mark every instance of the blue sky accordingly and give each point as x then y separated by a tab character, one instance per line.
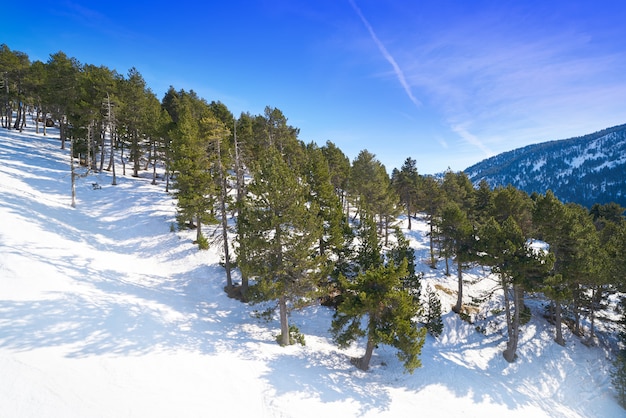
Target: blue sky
445	82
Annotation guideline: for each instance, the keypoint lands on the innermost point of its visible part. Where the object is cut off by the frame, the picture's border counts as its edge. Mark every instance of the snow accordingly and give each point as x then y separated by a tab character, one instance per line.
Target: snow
106	313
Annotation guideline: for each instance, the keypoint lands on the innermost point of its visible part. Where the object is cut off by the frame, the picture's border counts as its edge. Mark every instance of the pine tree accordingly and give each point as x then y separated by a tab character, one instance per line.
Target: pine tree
377	294
317	175
278	229
457	239
369	250
405	181
573	241
193	180
339	166
401	252
506	249
430	201
369	183
433	321
216	133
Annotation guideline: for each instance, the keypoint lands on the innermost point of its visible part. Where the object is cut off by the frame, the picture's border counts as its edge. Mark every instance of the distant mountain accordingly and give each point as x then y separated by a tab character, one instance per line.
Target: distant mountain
586	170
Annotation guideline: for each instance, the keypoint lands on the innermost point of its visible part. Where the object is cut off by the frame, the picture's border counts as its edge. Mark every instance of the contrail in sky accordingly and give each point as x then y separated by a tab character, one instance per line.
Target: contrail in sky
472	139
386	54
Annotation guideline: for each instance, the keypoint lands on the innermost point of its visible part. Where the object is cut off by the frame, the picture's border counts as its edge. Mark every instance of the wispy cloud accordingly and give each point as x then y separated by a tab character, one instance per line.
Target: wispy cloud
498	87
381	47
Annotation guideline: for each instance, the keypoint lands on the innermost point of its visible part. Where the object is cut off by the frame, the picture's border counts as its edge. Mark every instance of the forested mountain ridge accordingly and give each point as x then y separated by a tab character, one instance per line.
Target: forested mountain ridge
585	170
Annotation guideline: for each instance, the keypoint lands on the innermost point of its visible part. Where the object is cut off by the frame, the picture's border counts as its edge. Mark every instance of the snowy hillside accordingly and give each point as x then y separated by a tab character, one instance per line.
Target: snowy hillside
584	170
106	313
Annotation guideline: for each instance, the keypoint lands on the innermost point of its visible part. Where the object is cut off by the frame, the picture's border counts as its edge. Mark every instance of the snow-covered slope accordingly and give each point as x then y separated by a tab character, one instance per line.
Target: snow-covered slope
106	313
585	170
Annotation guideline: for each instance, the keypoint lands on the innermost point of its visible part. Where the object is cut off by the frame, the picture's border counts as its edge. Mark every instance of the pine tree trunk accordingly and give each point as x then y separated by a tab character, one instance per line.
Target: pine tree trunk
240	196
596	297
363	363
284	321
229	280
459	298
408	215
89	145
72	174
433	265
154	162
9	115
62	131
103	133
135	153
112	162
387	222
18	118
577	297
198	228
23	121
150	145
44	118
513	332
557	322
122	159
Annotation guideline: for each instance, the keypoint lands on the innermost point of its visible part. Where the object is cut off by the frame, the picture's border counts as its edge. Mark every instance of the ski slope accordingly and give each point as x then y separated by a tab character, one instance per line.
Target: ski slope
104	312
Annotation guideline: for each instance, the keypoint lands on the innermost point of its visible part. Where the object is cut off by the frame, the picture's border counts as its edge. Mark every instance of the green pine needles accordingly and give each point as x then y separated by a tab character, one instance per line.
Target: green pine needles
432	317
378	295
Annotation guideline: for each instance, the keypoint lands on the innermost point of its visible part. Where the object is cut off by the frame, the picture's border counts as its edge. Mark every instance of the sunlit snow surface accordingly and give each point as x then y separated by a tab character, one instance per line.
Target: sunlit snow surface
106	313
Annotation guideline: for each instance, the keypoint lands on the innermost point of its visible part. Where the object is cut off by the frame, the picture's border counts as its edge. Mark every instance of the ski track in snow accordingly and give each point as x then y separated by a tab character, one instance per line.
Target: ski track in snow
105	313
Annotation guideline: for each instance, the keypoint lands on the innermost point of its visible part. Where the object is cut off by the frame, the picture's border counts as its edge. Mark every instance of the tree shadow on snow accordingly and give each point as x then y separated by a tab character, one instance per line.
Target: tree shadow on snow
320	370
472	366
109	315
